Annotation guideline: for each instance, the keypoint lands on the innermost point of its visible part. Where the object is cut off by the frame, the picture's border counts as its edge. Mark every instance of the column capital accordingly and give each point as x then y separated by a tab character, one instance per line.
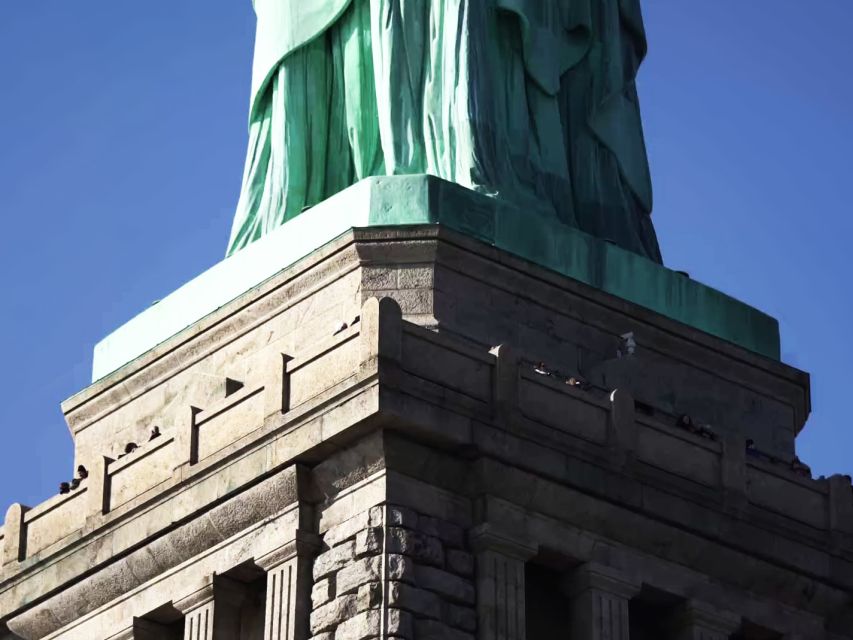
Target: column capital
696	619
593	576
488	537
304	544
195	600
224	590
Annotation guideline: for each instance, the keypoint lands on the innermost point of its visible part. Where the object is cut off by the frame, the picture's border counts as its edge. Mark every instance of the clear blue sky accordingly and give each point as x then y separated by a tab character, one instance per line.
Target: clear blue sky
122	135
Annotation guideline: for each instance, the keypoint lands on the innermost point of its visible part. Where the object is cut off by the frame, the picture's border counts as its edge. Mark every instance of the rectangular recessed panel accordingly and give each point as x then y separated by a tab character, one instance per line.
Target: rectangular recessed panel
788	497
147	470
230	424
314	377
678	456
56	522
448	368
563	411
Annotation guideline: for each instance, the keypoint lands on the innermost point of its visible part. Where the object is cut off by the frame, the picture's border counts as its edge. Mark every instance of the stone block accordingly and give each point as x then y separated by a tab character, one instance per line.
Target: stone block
418	601
332	614
360	627
415	277
400	623
368	541
376	516
333	559
449	533
459	617
347	529
378	278
400	568
432	630
369	596
353	575
460	562
401	517
446	584
421	547
322	592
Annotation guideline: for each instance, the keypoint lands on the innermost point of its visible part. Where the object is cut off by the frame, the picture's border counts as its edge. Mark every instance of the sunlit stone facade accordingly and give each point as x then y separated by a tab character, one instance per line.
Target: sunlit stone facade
412	435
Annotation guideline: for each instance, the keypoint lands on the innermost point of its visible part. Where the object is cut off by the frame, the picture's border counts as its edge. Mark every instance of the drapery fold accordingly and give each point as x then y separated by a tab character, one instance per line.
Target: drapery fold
530	101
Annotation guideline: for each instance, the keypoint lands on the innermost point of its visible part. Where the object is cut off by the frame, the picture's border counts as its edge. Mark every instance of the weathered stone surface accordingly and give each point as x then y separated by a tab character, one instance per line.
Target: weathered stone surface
400	568
400	623
359	627
779	556
322	592
333	559
369	596
446	584
368	541
330	615
418	601
459	617
449	533
357	573
401	517
423	548
433	630
460	562
379	278
347	529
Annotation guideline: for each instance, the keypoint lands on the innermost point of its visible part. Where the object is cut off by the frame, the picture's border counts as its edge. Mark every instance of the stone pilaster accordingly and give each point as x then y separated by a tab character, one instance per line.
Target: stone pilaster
699	621
288	605
14	543
277	385
733	472
622	429
213	612
505	386
500	585
600	599
98	487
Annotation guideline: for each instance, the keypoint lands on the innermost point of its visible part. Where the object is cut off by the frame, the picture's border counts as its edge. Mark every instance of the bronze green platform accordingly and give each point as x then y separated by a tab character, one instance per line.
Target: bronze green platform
425	200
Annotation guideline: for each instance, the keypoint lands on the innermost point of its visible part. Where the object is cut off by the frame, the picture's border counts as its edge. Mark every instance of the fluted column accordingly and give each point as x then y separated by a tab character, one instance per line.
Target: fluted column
500	585
213	612
288	604
600	600
699	621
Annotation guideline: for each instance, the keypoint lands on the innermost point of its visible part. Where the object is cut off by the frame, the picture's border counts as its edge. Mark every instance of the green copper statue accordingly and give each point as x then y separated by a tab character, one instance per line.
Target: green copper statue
530	101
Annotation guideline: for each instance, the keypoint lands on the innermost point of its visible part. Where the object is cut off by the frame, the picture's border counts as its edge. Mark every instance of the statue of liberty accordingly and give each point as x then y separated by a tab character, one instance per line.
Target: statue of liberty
529	101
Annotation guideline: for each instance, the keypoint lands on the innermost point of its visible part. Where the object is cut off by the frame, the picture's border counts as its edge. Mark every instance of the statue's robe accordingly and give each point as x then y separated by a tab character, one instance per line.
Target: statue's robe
492	94
283	27
604	132
312	122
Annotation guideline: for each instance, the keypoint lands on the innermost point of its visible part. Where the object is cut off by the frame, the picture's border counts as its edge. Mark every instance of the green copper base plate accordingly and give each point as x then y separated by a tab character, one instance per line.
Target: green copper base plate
415	200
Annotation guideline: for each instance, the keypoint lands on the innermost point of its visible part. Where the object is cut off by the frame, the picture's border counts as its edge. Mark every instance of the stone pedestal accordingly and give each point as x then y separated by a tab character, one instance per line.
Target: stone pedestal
403	434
